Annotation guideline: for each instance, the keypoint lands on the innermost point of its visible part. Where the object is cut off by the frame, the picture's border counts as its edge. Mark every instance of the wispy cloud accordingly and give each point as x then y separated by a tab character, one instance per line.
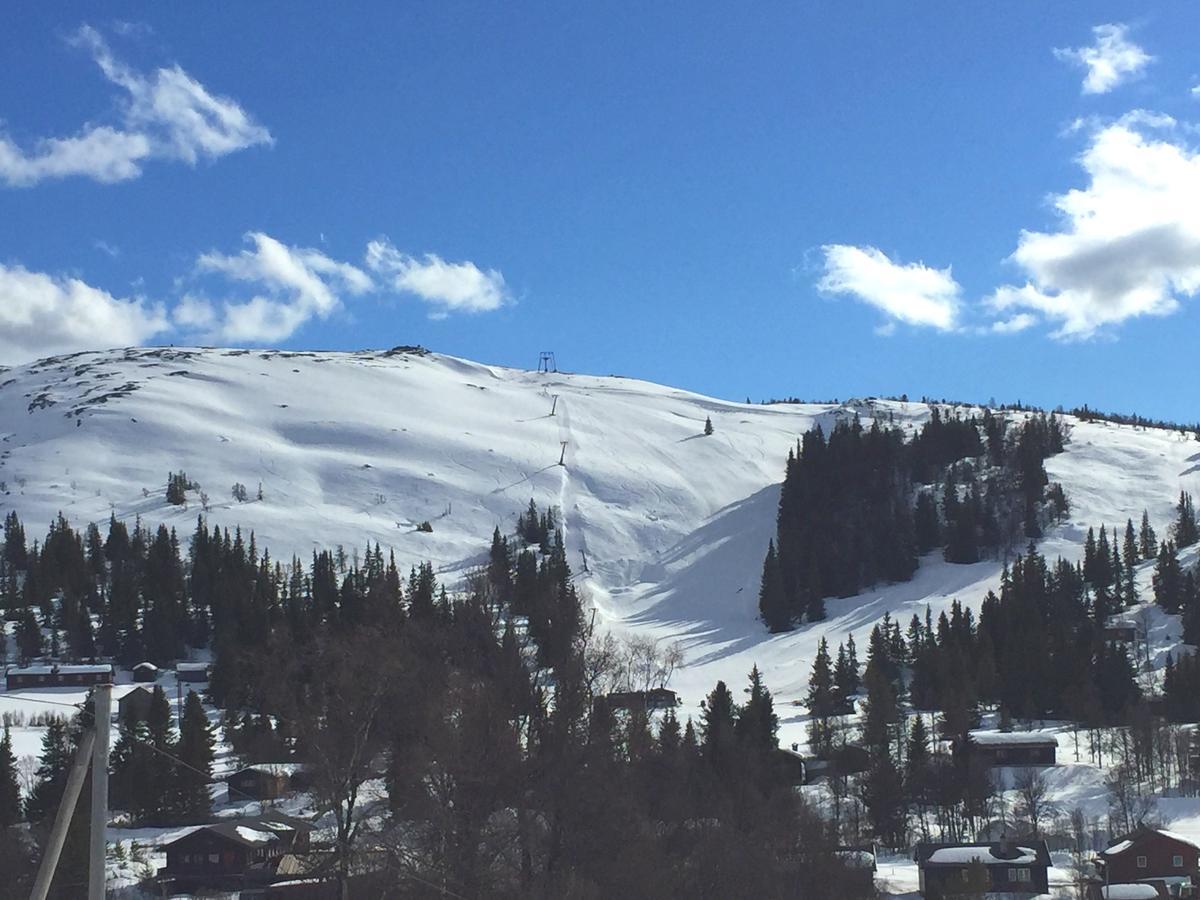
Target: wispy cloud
1110	61
166	114
293	284
446	286
911	293
45	314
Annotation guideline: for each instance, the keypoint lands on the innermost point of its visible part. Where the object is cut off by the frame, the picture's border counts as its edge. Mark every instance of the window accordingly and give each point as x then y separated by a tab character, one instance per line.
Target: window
1177	861
1024	875
1141	862
214	858
1012	874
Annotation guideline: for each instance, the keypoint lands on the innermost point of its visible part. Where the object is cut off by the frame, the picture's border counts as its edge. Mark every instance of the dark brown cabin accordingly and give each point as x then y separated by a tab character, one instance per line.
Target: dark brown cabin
135	705
1014	868
233	853
1013	748
262	781
55	675
655	698
145	672
191	672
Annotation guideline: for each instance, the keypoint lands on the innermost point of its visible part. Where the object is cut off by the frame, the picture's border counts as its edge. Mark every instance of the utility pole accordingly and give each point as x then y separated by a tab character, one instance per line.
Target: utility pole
66	808
102	699
554	405
563	456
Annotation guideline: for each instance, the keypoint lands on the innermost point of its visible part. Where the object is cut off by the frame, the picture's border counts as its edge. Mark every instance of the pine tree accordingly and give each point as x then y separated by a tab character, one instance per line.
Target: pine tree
1168	579
717	722
772	600
708	426
1185	523
195	751
1147	540
10	791
757	725
1129	548
52	771
822	700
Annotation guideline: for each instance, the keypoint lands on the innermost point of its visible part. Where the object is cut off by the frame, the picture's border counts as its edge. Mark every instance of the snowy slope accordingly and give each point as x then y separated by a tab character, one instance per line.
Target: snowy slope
357	447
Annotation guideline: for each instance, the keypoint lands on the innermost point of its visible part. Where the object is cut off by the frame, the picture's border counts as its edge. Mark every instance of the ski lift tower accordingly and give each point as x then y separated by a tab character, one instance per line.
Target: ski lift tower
546	362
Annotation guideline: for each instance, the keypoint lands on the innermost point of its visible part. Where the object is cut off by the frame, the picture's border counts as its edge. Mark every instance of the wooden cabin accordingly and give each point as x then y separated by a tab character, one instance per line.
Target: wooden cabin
1151	854
1014	869
845	759
135	705
145	672
1120	632
265	781
653	699
1013	748
233	853
55	675
191	671
789	765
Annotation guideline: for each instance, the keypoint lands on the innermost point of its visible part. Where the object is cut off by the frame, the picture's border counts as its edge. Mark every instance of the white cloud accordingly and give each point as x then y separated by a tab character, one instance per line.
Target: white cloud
44	315
1111	60
296	285
1128	244
166	114
446	286
912	293
1017	323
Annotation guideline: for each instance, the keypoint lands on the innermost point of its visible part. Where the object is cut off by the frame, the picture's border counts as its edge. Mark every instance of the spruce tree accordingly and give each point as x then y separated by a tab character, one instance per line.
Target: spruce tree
708	426
772	600
10	791
1185	521
757	725
1147	539
717	722
195	751
1168	579
822	700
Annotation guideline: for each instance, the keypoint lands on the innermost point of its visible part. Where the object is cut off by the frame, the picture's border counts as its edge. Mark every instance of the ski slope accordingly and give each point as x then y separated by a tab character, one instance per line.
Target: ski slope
665	527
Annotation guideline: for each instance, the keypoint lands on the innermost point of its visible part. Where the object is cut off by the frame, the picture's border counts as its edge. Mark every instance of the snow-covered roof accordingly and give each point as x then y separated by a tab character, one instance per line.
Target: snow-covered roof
1124	844
146	665
279	768
191	667
1020	738
1129	892
101	669
251	834
982	852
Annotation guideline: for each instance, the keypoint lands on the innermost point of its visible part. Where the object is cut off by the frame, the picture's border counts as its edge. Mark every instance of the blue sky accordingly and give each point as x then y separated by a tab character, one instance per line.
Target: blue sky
821	199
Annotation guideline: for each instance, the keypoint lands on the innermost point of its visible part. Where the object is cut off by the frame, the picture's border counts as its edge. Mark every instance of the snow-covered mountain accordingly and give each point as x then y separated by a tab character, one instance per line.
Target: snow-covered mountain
666	527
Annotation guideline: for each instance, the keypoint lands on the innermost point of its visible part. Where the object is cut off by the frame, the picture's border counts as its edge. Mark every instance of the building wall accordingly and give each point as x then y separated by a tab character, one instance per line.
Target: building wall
1159	851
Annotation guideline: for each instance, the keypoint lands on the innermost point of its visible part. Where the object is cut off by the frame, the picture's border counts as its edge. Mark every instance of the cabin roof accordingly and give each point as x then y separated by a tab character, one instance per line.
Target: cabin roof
1013	739
1141	836
250	831
999	853
99	669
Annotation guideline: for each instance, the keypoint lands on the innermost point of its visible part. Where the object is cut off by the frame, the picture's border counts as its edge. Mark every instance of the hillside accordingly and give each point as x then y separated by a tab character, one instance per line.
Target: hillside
665	527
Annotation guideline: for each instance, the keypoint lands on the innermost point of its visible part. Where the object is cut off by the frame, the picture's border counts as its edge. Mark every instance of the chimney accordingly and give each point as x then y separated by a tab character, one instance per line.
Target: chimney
795	748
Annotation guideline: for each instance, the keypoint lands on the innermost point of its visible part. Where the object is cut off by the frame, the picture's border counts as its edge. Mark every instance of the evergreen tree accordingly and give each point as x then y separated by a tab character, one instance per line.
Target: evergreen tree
10	791
1147	540
1185	522
52	771
195	752
757	725
708	426
717	722
822	700
772	600
1168	579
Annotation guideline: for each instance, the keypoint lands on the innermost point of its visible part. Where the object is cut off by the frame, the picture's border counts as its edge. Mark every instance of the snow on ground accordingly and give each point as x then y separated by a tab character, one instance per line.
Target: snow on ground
665	527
